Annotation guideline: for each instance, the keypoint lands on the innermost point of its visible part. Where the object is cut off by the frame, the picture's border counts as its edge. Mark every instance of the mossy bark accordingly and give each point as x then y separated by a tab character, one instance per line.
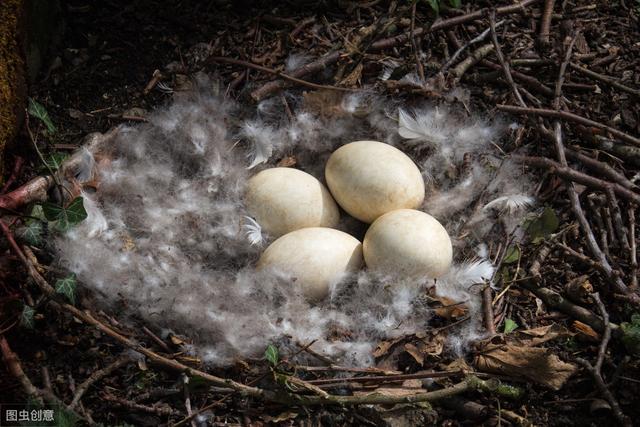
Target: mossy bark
28	30
13	86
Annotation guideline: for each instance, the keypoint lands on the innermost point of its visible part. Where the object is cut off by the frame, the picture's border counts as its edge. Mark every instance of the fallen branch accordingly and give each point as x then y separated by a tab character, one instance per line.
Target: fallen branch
600	167
15	368
545	24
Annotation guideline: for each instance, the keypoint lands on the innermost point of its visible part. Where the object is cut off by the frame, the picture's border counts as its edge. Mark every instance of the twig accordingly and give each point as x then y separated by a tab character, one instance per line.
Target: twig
505	64
97	376
158	410
33	191
487	308
414	45
385	378
156	339
617	218
14	174
605	79
13	366
471	42
631	213
276	73
571	117
545	24
476	56
187	398
585	259
596	370
601	167
579	177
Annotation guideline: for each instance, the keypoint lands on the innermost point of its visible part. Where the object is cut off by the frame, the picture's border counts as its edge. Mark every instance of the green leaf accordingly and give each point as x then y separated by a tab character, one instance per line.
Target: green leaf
65	218
455	3
67	287
26	318
541	227
271	354
31	232
37	212
435	5
38	111
54	160
631	335
509	326
512	255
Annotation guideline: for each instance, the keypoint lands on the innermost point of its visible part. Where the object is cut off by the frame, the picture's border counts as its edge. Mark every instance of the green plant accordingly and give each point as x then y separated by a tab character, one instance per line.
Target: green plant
631	335
271	354
436	5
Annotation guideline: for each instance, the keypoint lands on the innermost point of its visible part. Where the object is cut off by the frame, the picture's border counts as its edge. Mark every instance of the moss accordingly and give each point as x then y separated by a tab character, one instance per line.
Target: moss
12	73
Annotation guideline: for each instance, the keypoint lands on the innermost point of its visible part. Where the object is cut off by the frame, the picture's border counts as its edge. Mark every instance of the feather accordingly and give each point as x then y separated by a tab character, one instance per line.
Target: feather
426	126
253	231
511	204
262	138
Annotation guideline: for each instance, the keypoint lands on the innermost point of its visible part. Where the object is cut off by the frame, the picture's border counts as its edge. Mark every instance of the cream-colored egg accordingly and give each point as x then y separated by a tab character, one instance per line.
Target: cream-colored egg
316	257
369	178
408	242
286	199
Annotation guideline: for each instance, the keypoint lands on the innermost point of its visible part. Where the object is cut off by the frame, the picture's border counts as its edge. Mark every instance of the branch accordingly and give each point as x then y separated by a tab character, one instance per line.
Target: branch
565	115
96	376
605	79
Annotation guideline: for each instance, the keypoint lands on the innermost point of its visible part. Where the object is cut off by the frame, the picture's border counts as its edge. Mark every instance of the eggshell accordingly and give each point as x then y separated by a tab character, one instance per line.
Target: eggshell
286	199
316	257
369	178
408	242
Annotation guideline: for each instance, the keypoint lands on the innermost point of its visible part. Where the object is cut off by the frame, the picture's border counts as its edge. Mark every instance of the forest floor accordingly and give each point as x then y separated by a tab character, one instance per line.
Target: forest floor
563	341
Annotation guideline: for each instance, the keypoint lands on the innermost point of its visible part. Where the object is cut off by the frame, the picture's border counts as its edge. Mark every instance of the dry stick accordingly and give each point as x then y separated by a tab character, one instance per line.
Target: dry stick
17	166
475	57
414	45
386	378
632	234
617	218
585	259
13	366
571	117
573	194
33	191
158	410
505	64
97	376
156	339
579	177
333	57
601	167
605	79
596	370
487	308
276	73
545	25
461	49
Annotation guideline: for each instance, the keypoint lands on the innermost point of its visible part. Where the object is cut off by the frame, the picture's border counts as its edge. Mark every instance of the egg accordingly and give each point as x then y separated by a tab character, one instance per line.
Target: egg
285	199
408	242
316	257
370	178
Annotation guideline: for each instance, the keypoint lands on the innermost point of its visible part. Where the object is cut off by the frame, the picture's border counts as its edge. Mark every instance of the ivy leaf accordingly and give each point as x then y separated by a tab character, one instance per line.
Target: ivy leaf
65	218
271	354
435	5
26	318
509	326
37	212
67	287
512	255
31	233
543	226
38	111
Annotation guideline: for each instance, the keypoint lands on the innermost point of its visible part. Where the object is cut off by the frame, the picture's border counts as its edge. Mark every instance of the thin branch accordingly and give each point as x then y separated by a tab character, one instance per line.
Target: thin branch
97	376
505	64
605	79
545	24
571	117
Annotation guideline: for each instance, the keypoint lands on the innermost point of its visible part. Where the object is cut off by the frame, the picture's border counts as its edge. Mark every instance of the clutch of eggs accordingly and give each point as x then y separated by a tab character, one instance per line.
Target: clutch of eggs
314	257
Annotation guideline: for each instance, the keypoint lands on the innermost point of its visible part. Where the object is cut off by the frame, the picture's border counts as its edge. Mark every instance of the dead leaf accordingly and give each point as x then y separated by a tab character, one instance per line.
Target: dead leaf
287	162
539	335
384	346
537	364
325	103
415	353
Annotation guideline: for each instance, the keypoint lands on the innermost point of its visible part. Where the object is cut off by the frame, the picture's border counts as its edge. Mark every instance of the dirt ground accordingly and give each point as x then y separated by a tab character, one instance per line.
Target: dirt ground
115	63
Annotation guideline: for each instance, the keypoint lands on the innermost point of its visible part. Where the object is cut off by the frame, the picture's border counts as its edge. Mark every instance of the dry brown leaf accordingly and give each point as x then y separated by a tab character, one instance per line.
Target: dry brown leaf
539	335
537	364
450	309
287	162
384	346
415	353
325	103
353	78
